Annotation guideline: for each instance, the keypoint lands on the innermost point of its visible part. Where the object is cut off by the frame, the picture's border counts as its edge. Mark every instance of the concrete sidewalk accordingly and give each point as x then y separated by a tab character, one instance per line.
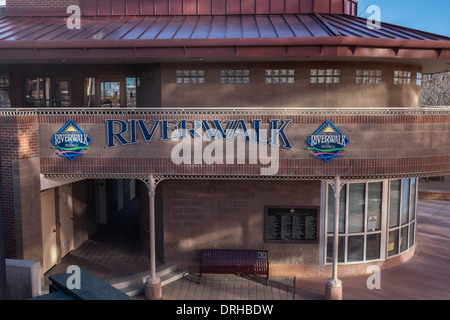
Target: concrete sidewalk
425	277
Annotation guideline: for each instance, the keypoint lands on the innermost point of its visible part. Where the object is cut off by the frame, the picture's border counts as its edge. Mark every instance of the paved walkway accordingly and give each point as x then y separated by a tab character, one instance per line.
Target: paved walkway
223	287
426	276
115	252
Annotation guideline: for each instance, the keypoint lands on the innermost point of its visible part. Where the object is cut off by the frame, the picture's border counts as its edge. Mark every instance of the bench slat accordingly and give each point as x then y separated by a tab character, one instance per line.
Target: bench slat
230	261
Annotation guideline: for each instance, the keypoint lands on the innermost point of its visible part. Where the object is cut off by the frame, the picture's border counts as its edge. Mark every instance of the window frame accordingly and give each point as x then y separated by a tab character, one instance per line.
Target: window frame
365	233
314	73
374	76
409	223
48	99
269	76
401	79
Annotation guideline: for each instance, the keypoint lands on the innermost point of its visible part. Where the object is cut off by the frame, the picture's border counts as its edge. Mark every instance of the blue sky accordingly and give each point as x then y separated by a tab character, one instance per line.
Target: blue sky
427	15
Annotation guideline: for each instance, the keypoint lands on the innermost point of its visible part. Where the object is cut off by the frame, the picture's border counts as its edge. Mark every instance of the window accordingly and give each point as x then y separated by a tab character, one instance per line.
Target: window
112	92
325	76
419	78
4	89
234	76
369	76
190	77
47	92
402	215
280	76
377	220
402	77
131	84
360	222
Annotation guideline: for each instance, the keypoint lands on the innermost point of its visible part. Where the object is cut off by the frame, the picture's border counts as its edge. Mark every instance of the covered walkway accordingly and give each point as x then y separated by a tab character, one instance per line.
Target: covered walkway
115	252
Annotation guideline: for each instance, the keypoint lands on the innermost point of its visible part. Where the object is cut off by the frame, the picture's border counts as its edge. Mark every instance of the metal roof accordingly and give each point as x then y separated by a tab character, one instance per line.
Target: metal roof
203	27
291	35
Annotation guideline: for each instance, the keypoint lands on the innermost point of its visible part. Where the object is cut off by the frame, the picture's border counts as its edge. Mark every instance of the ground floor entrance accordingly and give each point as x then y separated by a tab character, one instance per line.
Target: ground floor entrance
75	212
292	219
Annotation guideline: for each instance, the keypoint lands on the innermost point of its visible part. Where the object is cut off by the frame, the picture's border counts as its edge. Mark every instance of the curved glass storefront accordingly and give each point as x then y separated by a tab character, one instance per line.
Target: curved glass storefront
377	220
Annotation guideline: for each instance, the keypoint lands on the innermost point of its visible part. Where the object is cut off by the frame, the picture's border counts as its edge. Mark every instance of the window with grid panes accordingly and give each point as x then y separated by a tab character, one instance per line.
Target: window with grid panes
280	76
234	76
328	76
190	77
402	215
402	77
360	222
369	76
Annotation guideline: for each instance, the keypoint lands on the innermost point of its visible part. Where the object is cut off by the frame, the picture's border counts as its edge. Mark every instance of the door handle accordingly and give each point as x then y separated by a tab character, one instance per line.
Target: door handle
54	230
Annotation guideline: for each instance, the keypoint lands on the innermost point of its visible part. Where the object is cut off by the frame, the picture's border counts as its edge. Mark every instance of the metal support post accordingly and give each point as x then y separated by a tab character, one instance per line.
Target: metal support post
153	283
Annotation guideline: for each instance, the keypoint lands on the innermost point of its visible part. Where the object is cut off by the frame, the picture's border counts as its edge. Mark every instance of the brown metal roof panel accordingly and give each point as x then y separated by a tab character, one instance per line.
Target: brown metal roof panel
117	24
348	30
64	33
10	32
171	28
156	28
187	28
281	27
358	27
249	27
72	33
314	26
349	26
6	21
94	30
139	29
218	27
202	28
234	27
48	26
297	27
124	29
265	27
421	35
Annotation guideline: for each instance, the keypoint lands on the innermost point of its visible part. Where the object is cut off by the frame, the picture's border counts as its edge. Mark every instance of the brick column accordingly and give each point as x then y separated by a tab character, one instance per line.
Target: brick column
19	147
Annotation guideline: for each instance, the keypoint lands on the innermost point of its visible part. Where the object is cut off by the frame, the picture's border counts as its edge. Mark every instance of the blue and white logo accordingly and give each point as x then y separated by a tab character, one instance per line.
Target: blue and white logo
71	141
328	142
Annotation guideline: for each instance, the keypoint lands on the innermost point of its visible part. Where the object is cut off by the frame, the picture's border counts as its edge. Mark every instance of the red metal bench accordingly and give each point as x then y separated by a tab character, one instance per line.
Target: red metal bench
230	261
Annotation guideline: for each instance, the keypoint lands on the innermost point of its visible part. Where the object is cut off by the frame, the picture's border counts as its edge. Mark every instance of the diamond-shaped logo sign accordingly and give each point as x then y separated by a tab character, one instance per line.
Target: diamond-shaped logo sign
71	141
328	142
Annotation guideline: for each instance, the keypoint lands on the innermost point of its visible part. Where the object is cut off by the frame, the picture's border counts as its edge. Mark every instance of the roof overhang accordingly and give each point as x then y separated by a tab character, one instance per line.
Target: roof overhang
106	42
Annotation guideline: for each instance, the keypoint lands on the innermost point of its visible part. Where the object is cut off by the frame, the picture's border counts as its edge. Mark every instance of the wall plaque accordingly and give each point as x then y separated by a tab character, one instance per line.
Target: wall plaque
291	224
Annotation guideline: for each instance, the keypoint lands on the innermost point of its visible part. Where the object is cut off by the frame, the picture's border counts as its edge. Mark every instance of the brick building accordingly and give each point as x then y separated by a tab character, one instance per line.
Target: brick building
290	94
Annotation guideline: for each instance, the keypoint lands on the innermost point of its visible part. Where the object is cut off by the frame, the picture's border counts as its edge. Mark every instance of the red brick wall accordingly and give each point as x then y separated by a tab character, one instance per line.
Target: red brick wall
401	142
19	140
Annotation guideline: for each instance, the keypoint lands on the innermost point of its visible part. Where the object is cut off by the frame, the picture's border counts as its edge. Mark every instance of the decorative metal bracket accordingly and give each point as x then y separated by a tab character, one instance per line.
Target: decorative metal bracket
337	189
